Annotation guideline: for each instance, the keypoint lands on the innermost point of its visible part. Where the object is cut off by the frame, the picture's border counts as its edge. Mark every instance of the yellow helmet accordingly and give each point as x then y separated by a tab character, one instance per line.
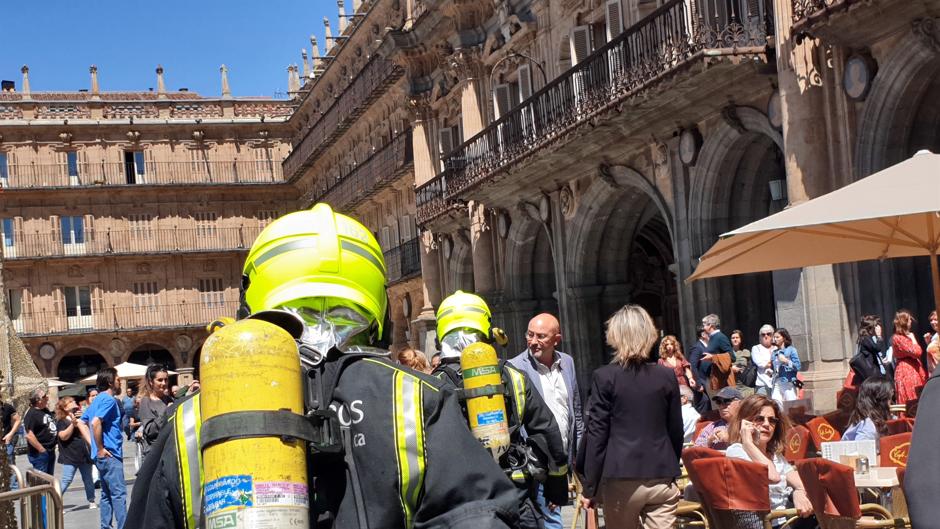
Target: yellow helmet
463	310
316	253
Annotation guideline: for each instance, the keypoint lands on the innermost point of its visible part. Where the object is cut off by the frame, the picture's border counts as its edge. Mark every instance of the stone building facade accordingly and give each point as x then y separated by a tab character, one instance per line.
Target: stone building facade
576	155
353	147
126	217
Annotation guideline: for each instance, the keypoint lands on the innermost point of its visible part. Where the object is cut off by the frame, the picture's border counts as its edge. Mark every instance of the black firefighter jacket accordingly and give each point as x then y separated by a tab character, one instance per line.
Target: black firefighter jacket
538	425
434	475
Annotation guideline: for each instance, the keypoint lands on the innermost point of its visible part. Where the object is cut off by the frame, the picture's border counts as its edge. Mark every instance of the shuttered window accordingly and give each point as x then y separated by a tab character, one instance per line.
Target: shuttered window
212	291
502	100
146	296
581	45
614	14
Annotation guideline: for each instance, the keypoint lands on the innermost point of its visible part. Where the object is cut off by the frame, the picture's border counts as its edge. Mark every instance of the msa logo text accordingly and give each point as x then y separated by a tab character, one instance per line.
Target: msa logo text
223	521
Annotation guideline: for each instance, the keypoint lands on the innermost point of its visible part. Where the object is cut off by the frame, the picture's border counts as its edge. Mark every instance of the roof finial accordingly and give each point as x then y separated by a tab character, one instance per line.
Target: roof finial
303	56
161	87
341	6
226	91
93	70
293	82
314	57
328	35
25	70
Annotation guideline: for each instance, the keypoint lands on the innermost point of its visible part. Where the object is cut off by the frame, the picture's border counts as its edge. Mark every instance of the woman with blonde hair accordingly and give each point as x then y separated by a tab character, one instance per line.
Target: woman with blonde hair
633	433
670	355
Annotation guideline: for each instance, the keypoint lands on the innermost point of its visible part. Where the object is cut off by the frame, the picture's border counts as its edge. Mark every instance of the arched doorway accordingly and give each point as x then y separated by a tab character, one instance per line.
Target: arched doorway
740	169
901	116
531	287
152	354
79	364
620	250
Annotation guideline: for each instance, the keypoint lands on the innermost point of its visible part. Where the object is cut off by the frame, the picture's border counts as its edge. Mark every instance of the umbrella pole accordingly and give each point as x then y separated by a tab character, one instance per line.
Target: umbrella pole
935	276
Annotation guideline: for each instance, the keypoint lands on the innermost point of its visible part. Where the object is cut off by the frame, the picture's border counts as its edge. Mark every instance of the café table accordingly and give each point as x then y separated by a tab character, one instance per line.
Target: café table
882	483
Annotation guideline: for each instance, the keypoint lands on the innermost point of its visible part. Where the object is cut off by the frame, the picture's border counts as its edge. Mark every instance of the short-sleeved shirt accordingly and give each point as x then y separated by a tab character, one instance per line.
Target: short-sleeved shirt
108	411
75	450
708	431
7	411
42	424
780	491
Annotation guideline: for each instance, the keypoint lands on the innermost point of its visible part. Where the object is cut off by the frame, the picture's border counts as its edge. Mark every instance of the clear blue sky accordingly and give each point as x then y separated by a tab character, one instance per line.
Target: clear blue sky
60	39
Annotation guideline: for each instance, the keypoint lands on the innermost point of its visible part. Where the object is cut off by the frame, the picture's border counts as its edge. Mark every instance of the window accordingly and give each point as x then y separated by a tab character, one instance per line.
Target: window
14	303
78	306
205	224
212	291
4	174
8	237
73	230
141	225
134	167
71	158
146	296
266	216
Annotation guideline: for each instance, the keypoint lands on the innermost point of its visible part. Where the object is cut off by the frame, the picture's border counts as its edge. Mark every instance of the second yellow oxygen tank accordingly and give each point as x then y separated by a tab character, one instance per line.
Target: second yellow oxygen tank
486	413
254	482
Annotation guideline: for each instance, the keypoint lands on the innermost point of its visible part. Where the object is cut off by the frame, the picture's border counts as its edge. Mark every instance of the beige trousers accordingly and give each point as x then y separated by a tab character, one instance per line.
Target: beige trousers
631	504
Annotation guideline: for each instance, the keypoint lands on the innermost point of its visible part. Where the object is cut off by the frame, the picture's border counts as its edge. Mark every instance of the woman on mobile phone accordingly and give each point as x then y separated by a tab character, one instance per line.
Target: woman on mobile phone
786	362
757	434
154	399
74	442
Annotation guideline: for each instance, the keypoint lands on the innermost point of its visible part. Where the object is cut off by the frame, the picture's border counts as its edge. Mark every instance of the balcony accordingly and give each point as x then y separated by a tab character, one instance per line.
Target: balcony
681	63
62	175
856	23
382	168
370	83
114	318
404	261
131	241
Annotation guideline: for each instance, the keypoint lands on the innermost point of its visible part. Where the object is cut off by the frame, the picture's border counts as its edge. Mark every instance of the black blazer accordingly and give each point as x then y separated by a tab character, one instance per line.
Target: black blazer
633	425
700	368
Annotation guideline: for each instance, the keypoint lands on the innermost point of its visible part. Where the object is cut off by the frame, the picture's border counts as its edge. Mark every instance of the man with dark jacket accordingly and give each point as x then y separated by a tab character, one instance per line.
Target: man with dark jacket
922	480
720	354
700	370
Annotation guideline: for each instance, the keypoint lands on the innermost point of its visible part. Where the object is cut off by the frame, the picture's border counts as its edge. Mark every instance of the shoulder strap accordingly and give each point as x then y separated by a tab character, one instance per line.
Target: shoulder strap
187	425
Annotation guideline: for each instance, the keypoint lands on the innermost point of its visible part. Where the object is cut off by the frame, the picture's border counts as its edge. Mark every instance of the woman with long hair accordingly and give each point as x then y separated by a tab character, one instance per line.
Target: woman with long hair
757	434
416	360
869	419
873	350
786	362
742	359
154	399
633	433
74	452
670	355
909	374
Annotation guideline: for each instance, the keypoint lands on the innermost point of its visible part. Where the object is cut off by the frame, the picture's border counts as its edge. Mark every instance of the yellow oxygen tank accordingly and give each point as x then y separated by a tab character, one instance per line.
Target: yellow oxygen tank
254	482
487	411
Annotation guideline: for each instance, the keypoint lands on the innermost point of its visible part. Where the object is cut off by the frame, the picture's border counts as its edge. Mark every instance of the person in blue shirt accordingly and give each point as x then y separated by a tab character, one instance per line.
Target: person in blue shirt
869	420
104	420
786	364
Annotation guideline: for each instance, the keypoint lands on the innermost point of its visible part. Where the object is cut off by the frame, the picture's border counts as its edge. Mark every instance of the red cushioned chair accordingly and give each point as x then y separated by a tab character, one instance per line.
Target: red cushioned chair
896	426
693	509
699	426
796	445
735	492
894	449
831	489
822	431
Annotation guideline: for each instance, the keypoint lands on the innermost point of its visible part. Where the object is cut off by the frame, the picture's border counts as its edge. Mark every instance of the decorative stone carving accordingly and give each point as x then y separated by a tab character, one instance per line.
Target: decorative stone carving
143	268
928	31
208	266
117	347
66	137
730	115
75	271
659	152
420	106
467	63
133	135
566	197
184	343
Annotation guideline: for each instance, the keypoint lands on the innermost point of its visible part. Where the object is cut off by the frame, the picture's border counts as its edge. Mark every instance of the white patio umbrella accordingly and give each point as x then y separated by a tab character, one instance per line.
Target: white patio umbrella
125	370
892	213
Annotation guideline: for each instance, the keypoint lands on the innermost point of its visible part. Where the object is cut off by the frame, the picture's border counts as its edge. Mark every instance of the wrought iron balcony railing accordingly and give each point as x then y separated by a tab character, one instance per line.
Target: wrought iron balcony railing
672	36
383	167
33	175
125	318
807	11
370	83
403	261
95	242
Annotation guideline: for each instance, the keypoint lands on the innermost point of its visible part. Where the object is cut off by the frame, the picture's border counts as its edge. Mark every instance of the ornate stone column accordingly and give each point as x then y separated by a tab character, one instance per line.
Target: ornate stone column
431	284
420	142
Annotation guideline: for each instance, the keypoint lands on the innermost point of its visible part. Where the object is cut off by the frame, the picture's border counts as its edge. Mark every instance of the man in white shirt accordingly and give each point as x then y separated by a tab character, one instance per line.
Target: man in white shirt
762	355
553	375
689	415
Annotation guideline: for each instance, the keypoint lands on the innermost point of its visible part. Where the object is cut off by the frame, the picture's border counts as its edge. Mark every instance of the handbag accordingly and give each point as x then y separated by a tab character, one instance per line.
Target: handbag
749	375
863	365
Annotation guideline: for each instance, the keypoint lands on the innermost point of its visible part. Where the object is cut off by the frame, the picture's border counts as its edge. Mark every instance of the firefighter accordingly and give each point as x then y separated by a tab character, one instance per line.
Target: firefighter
536	453
385	439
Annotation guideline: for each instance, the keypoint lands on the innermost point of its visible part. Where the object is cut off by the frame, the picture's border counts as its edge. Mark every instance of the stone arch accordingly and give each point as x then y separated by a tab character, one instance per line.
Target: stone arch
530	282
459	266
80	362
730	188
156	350
900	116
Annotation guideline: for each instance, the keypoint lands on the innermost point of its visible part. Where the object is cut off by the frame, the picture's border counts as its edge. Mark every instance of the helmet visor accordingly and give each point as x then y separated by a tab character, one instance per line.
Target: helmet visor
329	322
457	340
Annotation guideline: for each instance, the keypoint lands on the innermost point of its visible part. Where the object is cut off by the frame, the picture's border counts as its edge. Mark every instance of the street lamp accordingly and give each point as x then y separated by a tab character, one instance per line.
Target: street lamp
526	57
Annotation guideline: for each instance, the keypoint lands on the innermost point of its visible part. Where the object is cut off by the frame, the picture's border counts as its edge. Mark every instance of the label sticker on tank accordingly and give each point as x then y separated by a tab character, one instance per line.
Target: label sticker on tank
227	492
280	493
490	417
480	371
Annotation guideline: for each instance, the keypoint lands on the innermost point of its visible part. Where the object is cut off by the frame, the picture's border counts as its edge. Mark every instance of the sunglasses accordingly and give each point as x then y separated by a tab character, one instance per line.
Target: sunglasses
760	419
722	402
766	334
